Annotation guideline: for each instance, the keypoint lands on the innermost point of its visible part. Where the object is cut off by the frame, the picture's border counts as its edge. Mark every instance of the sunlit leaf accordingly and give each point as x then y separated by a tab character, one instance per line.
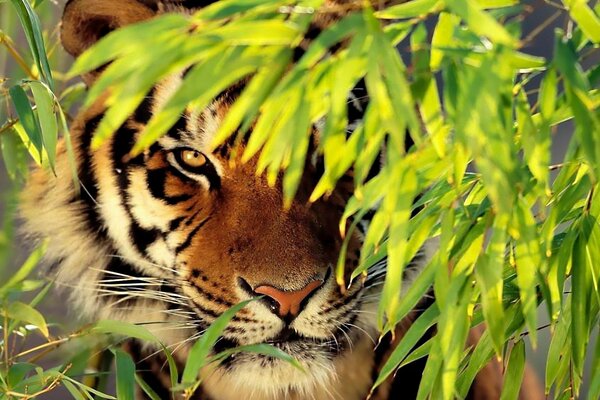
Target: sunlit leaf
47	119
24	312
31	24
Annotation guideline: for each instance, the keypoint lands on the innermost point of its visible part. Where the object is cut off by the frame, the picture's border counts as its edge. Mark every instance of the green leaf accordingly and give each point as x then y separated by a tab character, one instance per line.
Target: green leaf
410	9
585	17
87	390
432	369
443	36
124	328
581	306
528	259
245	108
44	102
523	62
560	346
31	26
25	269
489	276
481	22
408	341
146	388
125	375
27	117
548	93
17	373
70	150
514	372
13	154
536	141
496	3
397	206
198	355
24	312
76	393
118	42
200	85
260	33
594	389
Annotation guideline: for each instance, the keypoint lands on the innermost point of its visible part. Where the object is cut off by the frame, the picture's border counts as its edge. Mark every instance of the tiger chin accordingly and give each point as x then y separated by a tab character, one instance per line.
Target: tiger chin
174	237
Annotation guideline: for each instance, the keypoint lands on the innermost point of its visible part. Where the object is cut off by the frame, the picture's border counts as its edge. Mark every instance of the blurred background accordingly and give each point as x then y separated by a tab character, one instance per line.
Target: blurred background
539	19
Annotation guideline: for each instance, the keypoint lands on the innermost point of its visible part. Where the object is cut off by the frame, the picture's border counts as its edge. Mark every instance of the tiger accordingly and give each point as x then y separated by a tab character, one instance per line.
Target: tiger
174	237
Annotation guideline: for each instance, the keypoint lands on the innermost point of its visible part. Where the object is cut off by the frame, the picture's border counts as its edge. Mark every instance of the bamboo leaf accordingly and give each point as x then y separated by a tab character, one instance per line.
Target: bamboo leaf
528	259
27	118
44	102
25	269
199	352
410	9
146	388
480	22
125	375
31	25
125	329
489	272
514	372
409	340
24	312
585	18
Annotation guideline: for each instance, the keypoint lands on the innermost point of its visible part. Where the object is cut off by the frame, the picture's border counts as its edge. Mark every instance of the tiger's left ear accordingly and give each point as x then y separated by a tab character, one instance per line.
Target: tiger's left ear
84	22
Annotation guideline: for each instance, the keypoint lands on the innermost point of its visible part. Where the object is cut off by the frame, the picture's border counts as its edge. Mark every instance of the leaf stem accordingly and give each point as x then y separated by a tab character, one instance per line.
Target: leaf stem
9	124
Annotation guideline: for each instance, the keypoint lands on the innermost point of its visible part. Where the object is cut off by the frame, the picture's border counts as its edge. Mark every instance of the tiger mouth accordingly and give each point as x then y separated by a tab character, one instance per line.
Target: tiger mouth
295	343
287	335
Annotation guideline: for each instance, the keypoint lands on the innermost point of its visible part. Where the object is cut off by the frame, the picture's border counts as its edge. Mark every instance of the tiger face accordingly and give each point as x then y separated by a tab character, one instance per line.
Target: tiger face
214	233
177	235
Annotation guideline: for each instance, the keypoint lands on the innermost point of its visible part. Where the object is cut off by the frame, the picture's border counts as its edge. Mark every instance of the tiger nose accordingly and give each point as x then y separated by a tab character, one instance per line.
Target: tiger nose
288	302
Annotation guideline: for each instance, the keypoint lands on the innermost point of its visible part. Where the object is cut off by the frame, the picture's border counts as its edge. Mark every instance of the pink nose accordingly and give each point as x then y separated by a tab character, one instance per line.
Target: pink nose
290	302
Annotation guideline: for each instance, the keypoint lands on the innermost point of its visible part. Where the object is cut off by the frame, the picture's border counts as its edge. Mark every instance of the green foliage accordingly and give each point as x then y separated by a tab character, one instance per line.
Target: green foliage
514	231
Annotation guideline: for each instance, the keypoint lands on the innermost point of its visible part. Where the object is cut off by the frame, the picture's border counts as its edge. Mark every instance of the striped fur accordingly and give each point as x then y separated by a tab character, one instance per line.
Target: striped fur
148	241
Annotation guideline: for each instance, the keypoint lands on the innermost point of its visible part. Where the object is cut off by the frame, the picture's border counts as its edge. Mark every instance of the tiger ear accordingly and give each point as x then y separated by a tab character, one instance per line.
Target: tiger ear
84	22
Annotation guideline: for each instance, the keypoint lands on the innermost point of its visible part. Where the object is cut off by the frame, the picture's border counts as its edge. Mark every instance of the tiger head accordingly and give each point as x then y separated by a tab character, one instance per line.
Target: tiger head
174	237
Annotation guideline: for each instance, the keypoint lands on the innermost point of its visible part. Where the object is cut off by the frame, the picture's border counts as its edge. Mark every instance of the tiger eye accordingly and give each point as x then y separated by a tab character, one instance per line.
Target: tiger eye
193	158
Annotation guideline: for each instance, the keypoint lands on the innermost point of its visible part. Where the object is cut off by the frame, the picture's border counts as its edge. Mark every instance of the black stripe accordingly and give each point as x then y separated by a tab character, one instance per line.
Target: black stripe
188	240
123	142
180	126
212	298
89	186
143	112
135	283
142	238
191	219
340	303
121	267
156	180
174	224
193	4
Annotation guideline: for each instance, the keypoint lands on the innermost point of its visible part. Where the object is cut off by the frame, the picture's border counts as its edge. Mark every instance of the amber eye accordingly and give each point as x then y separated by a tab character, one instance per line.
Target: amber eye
191	158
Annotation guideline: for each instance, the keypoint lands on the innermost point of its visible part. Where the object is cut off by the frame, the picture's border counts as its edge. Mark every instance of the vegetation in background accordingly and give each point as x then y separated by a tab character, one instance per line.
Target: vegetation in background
512	235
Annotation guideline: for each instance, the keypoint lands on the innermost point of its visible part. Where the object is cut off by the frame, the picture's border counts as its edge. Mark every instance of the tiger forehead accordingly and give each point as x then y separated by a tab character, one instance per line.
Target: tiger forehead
197	126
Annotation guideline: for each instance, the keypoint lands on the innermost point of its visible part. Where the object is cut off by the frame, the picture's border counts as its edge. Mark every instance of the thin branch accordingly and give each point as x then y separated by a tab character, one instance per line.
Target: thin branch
9	124
7	42
53	344
538	29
